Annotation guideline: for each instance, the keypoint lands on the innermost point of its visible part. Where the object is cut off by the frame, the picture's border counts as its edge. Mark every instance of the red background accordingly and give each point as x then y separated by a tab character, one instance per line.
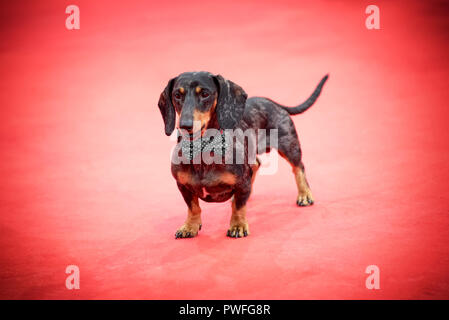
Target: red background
85	170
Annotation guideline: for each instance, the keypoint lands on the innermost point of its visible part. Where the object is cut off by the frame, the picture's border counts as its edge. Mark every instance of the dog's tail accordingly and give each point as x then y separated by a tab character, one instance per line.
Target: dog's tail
309	102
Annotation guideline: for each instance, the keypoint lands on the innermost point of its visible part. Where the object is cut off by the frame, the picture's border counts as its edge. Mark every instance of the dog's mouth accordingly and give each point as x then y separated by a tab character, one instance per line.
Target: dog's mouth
197	134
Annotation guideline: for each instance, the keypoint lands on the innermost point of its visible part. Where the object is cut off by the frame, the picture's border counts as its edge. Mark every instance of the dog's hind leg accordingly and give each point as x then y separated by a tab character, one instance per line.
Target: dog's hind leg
305	197
192	224
290	149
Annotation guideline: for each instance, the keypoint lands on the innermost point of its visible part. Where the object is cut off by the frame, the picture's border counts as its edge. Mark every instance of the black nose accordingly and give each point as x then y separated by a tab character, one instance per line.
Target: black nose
186	124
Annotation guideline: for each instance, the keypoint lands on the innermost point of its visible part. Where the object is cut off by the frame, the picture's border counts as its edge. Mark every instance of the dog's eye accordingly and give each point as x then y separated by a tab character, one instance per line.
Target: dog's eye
177	95
204	94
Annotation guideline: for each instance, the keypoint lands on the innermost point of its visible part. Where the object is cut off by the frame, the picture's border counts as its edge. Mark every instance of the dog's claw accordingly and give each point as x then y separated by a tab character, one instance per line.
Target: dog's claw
304	200
238	230
187	231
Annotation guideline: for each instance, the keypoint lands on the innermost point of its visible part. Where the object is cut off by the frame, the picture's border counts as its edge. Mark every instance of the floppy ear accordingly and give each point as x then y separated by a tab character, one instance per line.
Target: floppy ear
167	109
230	104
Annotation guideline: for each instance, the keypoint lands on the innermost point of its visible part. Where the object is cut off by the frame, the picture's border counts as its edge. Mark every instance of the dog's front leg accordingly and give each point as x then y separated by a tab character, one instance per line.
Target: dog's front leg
239	225
192	224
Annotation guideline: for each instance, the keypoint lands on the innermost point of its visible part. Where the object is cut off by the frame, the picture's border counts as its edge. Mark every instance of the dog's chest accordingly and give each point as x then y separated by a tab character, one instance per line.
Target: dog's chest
212	185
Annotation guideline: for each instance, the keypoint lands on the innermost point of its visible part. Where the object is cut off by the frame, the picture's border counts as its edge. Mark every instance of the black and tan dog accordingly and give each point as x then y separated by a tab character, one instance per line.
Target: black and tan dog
204	101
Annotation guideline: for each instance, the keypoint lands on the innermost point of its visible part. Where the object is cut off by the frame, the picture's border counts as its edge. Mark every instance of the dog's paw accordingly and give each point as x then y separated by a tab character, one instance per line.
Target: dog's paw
305	199
238	230
188	231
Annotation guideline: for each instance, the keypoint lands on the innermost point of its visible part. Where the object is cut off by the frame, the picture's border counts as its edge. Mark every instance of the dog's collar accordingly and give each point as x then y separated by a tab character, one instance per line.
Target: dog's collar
213	144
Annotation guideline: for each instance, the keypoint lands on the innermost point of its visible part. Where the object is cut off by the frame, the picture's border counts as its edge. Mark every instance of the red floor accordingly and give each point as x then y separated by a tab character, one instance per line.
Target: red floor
85	171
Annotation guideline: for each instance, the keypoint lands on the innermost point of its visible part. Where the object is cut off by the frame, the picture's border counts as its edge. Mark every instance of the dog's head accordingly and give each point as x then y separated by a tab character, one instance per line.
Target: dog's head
198	98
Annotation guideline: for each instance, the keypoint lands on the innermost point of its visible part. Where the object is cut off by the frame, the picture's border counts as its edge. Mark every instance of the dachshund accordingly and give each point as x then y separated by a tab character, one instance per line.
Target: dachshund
205	101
